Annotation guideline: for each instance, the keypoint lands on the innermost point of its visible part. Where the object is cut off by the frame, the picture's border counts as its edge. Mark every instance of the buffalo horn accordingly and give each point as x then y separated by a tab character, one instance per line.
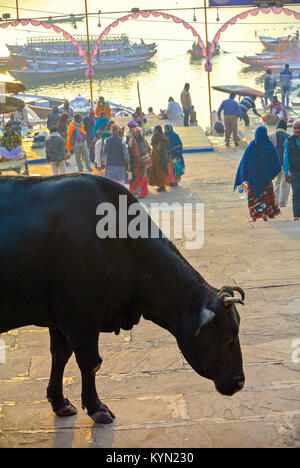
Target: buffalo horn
232	300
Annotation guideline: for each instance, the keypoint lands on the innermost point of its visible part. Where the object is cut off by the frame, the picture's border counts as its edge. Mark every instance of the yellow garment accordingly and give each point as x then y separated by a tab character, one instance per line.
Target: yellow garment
105	109
71	130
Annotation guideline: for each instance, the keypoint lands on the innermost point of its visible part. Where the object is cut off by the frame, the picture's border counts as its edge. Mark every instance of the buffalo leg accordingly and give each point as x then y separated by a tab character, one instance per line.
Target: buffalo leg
61	351
89	363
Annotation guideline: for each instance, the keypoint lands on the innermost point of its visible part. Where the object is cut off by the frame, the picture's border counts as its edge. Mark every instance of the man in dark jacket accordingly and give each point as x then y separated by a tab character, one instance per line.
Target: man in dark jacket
291	167
56	151
281	187
270	85
88	123
53	118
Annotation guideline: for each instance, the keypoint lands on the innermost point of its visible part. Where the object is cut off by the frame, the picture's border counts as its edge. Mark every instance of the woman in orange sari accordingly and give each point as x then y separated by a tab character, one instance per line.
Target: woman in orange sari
158	174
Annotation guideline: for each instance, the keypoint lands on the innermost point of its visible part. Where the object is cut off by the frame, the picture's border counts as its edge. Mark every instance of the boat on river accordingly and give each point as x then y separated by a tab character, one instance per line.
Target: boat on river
49	54
196	52
271	43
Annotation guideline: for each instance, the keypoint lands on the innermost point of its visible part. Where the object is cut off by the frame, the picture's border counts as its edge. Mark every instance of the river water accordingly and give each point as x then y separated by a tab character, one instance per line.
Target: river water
167	72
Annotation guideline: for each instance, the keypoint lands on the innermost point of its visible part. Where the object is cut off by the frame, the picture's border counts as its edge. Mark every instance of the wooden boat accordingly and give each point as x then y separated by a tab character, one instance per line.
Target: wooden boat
47	73
239	90
271	43
112	51
196	52
10	104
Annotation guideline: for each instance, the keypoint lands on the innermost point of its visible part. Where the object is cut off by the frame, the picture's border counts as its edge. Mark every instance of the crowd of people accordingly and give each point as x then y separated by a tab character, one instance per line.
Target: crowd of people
266	159
105	149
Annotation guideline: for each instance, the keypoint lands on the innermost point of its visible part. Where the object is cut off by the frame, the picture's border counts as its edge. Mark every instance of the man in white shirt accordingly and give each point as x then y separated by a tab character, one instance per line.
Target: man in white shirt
174	110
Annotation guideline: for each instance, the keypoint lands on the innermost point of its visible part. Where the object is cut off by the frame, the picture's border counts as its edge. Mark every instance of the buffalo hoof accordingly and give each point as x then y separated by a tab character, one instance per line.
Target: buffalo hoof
103	416
68	410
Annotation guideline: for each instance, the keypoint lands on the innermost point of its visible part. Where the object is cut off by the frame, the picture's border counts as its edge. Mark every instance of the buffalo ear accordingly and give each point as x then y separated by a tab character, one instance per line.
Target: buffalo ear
205	316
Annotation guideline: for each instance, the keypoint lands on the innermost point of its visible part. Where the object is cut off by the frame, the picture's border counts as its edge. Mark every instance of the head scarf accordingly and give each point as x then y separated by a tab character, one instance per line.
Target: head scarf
282	124
174	138
132	123
62	123
260	163
105	135
100	122
158	137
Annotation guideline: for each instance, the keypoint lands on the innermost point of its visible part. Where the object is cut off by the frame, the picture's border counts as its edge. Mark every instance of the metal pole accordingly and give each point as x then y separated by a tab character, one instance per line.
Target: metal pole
89	52
208	73
17	8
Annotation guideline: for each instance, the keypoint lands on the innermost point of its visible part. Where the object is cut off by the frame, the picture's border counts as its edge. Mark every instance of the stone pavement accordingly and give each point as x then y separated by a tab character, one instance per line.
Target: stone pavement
158	399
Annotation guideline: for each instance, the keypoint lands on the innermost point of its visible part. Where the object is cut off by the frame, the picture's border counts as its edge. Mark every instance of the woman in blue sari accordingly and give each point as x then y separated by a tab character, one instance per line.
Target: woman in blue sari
260	164
176	162
101	123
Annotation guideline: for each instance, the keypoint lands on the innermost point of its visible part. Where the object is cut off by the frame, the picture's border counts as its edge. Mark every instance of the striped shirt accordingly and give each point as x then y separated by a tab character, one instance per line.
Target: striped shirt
248	103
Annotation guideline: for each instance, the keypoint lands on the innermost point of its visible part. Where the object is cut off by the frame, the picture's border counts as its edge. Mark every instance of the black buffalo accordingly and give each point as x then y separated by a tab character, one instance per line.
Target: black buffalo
55	272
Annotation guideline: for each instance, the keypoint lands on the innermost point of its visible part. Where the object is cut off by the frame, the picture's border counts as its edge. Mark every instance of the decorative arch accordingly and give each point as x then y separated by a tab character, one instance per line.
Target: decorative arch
242	16
47	25
145	14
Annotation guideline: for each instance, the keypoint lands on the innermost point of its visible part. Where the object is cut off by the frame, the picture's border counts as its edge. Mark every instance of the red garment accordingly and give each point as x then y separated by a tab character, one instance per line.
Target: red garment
264	206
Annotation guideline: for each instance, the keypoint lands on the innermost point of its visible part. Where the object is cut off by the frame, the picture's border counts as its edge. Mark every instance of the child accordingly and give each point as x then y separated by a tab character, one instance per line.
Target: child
193	117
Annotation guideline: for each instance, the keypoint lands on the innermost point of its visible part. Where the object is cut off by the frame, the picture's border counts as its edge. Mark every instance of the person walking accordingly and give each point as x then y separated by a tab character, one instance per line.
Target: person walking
232	111
186	102
140	161
281	186
53	118
100	158
291	167
56	152
158	173
246	104
76	141
260	164
176	164
285	83
89	123
270	85
117	157
66	109
101	123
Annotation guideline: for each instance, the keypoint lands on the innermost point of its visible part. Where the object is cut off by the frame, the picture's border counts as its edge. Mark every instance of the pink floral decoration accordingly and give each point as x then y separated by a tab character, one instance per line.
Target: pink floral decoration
233	20
124	18
146	14
243	15
115	24
24	22
224	27
35	23
90	73
208	66
288	12
277	10
186	25
254	12
135	15
166	16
